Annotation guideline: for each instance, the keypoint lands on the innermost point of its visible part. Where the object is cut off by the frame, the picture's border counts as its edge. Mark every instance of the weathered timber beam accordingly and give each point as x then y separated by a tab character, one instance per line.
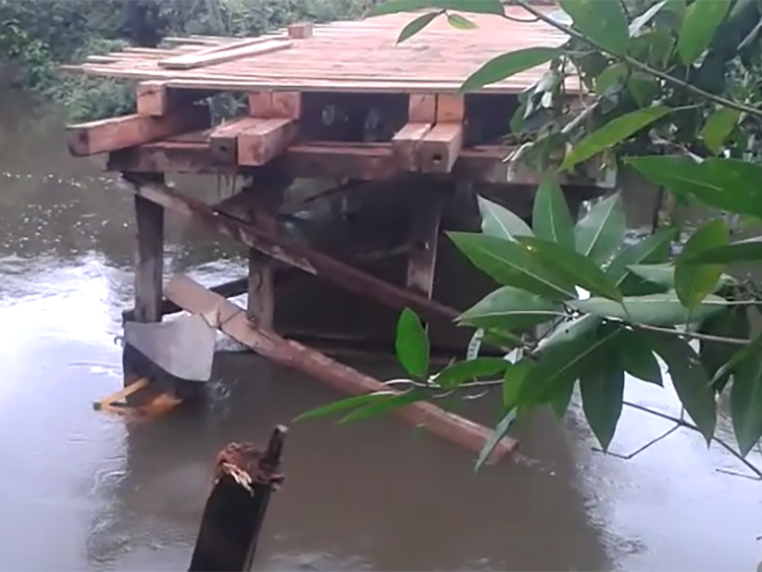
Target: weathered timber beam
275	104
131	130
406	142
422	108
451	108
225	53
261	142
440	148
149	260
424	237
293	253
155	97
194	298
223	139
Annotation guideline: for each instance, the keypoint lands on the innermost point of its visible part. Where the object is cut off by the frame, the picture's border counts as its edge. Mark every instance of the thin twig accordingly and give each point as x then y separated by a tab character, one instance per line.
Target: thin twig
639	65
683	423
695	335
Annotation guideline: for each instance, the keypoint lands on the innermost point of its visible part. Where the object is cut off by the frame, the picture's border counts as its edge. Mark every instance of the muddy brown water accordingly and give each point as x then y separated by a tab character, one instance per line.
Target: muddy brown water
80	490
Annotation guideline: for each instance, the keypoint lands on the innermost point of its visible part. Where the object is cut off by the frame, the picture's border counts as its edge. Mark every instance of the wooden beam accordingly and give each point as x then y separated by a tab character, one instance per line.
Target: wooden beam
300	31
262	141
223	139
131	130
422	108
155	97
196	299
276	104
405	145
451	108
294	254
424	237
225	53
440	148
149	260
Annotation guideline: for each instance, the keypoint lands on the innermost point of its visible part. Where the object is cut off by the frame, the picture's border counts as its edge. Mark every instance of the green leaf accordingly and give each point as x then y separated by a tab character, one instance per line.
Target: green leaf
746	402
701	22
600	233
637	23
500	431
720	183
718	127
507	65
458	21
511	264
654	310
742	251
690	380
384	405
344	404
415	26
498	221
604	21
512	380
574	267
655	248
550	214
559	366
636	354
733	322
460	372
611	79
559	402
602	390
613	133
569	331
472	6
510	309
412	344
694	282
664	275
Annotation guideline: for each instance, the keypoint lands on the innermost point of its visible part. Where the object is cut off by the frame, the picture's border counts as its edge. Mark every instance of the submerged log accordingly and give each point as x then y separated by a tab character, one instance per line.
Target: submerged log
235	510
231	319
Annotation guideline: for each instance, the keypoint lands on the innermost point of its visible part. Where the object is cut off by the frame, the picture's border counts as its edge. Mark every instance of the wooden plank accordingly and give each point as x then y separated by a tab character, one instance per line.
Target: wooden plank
422	108
122	132
224	54
155	97
440	148
294	254
149	260
264	140
300	31
223	139
451	108
405	145
424	237
276	104
461	431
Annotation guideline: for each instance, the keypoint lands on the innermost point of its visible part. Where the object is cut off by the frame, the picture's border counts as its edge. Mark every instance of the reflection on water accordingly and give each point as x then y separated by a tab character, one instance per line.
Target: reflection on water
81	490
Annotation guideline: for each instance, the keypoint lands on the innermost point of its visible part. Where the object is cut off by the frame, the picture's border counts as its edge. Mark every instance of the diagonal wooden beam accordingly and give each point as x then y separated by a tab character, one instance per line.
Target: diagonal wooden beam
292	253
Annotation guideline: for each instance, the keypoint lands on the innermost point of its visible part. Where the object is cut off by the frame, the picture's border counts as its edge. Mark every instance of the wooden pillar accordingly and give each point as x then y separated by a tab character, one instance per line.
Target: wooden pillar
149	259
424	236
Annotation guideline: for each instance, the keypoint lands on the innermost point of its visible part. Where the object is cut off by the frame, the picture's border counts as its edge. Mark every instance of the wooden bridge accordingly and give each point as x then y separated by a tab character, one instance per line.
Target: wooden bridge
343	102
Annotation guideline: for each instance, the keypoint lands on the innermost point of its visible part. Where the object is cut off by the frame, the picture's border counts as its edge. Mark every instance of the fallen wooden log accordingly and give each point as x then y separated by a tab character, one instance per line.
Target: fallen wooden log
235	510
231	319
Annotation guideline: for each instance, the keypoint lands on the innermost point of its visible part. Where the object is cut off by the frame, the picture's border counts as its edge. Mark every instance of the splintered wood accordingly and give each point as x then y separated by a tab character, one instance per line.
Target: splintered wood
351	56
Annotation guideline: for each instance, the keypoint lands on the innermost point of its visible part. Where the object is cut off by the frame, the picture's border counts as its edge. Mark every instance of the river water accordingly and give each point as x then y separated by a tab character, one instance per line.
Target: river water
80	490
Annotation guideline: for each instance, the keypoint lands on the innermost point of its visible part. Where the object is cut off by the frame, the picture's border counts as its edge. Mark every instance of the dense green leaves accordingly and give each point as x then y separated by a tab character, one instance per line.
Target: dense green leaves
741	251
507	65
415	26
731	323
655	310
664	275
612	133
512	265
412	344
469	370
746	402
690	380
600	233
603	21
654	248
473	6
693	282
498	221
636	354
550	214
510	309
602	390
637	23
574	267
701	22
718	127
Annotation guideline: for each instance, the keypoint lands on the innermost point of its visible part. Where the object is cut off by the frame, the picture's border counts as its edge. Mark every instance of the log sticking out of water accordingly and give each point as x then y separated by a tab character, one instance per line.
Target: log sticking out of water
235	510
194	298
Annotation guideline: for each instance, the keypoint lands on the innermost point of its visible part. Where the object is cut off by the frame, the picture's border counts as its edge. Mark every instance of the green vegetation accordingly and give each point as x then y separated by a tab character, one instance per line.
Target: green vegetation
36	36
675	94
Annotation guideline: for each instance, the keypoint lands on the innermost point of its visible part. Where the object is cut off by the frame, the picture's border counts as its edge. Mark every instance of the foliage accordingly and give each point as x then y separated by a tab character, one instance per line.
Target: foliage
70	30
674	94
